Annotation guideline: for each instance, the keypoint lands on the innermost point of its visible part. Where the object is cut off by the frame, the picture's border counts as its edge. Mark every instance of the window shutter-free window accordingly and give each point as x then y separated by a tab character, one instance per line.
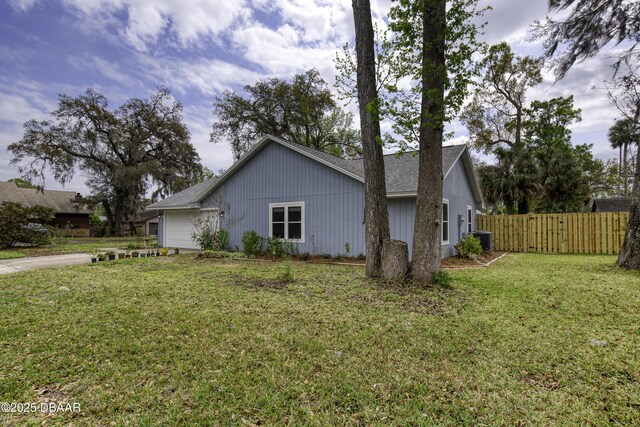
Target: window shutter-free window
287	221
445	222
277	222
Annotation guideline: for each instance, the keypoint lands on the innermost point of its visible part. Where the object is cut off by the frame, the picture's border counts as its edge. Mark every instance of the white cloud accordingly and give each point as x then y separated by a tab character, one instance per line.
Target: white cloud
207	76
278	51
188	21
22	5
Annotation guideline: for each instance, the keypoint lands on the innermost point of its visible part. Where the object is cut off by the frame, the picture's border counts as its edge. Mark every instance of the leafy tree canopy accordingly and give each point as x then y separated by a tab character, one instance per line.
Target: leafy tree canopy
588	26
122	152
22	183
400	67
301	110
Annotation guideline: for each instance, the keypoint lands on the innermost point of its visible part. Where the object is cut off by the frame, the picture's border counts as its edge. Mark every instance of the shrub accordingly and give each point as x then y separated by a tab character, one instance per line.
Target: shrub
280	248
361	256
207	236
468	246
304	256
287	272
95	221
222	240
15	225
275	247
60	235
252	243
442	279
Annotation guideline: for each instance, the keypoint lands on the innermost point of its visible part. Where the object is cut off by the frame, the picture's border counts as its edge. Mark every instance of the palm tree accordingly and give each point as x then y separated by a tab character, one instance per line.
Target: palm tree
622	134
512	181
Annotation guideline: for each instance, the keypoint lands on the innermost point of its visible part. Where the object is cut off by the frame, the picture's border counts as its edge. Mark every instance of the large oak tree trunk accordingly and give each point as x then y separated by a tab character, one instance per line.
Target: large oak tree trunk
376	217
630	253
427	233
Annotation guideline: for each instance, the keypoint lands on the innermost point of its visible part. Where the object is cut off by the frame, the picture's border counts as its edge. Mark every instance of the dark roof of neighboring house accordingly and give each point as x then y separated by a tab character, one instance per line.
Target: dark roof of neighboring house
613	204
401	172
145	216
59	201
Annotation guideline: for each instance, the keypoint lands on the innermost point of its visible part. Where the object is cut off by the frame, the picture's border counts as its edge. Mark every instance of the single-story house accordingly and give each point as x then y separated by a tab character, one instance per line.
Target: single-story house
147	222
64	204
612	204
316	200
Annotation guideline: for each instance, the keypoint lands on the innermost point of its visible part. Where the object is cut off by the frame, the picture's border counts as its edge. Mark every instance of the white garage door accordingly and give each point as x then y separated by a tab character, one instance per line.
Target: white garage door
180	224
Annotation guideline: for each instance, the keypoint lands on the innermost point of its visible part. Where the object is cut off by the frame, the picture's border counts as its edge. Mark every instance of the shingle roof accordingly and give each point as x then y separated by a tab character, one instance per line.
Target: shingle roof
145	216
186	198
613	204
401	172
59	201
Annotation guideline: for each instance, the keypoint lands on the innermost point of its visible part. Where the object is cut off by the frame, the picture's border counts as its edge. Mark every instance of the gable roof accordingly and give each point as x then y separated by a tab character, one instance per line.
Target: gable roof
613	204
59	201
186	199
401	172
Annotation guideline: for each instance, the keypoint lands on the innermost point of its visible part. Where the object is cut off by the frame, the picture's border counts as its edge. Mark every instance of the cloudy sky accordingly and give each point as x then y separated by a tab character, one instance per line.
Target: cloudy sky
199	48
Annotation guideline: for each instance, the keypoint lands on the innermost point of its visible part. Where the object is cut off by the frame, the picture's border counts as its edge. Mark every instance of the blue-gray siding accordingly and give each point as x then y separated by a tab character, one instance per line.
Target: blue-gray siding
334	202
457	190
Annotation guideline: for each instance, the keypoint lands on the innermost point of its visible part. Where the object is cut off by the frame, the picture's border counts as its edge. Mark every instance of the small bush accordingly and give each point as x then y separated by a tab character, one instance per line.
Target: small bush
276	247
252	243
304	256
208	237
222	240
469	246
287	272
361	256
15	225
273	246
60	235
442	279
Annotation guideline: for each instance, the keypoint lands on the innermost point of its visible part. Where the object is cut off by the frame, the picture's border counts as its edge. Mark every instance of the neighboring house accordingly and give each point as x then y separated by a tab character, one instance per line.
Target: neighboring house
67	211
316	200
147	222
613	204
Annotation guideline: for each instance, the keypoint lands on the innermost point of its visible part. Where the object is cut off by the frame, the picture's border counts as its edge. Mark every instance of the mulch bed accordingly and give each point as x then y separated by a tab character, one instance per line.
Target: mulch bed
481	261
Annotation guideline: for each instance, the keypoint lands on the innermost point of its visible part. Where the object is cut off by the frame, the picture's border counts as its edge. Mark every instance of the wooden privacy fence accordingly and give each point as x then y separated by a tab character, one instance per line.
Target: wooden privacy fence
572	233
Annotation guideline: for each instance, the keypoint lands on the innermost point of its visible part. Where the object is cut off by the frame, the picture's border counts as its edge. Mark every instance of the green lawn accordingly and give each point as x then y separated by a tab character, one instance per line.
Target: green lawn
11	254
71	245
532	340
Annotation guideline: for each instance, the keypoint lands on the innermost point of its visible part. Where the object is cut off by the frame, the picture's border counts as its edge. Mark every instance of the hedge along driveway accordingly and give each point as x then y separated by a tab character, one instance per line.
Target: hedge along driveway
531	340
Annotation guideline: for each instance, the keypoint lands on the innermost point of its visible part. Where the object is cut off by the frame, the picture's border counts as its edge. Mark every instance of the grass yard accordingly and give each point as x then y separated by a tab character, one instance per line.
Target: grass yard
11	255
72	245
533	340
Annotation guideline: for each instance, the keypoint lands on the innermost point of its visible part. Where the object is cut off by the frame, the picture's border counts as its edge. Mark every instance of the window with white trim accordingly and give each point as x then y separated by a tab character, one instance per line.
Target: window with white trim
445	221
469	219
286	221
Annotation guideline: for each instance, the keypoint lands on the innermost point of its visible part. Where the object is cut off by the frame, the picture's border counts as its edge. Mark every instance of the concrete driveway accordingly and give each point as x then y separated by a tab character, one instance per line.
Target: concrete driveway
34	263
